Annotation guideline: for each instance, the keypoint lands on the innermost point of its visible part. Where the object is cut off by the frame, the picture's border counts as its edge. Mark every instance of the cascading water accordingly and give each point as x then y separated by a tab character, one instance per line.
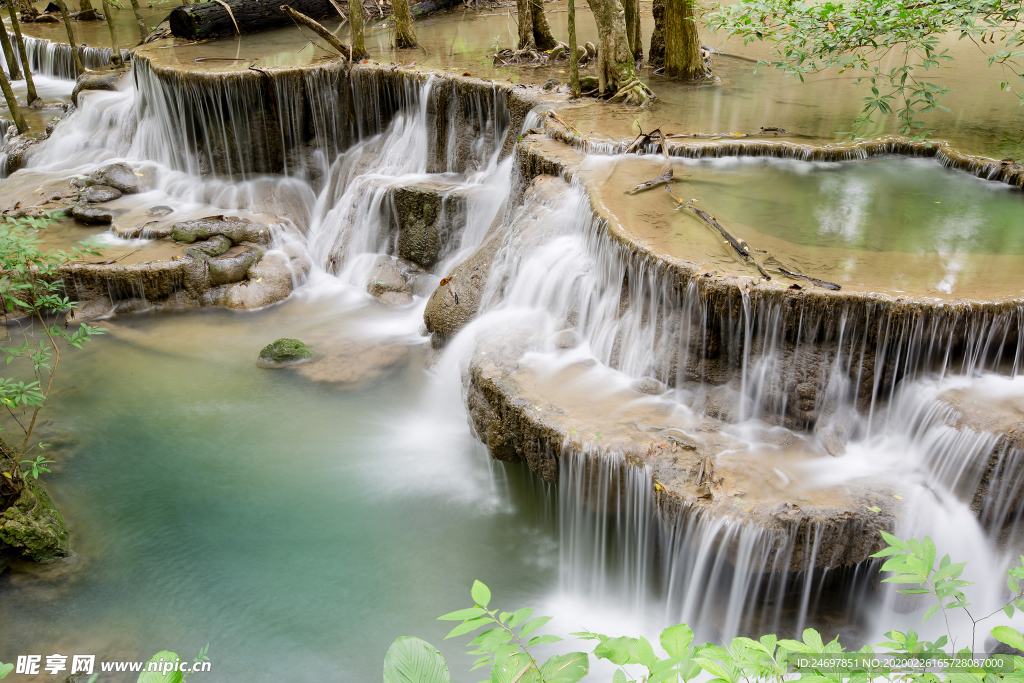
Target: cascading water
273	142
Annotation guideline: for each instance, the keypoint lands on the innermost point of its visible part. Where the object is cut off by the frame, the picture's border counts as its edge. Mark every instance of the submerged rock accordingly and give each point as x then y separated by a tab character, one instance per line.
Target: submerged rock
282	352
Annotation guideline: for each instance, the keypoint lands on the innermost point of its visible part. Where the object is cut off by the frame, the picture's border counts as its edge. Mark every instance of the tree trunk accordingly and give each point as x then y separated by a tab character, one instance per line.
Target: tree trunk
202	20
526	38
115	53
85	6
616	69
143	32
16	25
405	33
12	103
574	57
631	8
355	16
79	69
656	55
542	36
12	61
682	44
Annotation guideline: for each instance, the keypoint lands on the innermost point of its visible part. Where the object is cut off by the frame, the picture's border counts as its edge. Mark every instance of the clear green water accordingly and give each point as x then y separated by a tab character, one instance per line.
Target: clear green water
296	527
886	205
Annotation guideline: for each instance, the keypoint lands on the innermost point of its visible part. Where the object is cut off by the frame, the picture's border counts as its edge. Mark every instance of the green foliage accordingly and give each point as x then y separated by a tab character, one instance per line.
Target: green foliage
37	466
508	651
505	643
411	660
892	44
5	669
160	676
31	289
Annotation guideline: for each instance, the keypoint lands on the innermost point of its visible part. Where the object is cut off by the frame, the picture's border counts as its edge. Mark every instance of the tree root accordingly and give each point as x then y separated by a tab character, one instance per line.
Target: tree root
633	92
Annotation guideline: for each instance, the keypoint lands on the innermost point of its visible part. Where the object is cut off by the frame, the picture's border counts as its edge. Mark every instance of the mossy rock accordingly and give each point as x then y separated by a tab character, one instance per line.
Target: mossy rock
32	527
284	352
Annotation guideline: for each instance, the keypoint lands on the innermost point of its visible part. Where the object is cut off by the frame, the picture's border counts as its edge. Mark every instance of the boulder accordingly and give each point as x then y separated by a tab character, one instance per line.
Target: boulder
428	217
93	215
97	194
32	528
238	230
390	282
215	246
119	176
232	266
269	281
284	351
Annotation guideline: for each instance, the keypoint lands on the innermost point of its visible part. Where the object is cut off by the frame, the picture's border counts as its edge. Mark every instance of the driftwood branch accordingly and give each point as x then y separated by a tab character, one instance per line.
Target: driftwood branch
300	18
813	280
663	179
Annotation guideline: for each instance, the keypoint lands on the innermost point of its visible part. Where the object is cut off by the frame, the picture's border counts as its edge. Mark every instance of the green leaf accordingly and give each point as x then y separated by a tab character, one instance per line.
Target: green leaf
463	614
5	669
567	668
675	639
618	676
1005	634
543	640
929	613
467	626
519	616
159	676
516	667
411	660
532	625
481	593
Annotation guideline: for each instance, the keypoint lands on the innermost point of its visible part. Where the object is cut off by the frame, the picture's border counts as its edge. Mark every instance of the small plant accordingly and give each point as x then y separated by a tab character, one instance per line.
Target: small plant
505	644
31	289
496	44
37	466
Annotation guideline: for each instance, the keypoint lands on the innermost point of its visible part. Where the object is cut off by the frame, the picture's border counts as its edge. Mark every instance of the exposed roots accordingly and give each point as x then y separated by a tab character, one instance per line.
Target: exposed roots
633	92
537	57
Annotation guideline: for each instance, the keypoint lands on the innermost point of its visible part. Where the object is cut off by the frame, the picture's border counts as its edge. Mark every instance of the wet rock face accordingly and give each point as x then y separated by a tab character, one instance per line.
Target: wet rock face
269	281
98	80
208	248
698	467
238	230
32	527
93	215
97	194
232	266
428	219
284	352
393	281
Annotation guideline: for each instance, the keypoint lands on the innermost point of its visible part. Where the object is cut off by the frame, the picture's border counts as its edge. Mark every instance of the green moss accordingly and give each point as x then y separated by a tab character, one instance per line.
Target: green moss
285	351
32	527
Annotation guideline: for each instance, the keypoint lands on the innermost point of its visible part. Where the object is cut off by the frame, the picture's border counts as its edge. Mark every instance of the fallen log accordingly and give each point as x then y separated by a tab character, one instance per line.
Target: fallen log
821	283
431	6
203	20
300	18
738	245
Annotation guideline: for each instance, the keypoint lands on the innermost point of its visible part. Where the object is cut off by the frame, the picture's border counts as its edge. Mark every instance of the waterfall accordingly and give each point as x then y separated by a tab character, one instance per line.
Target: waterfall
55	59
331	149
